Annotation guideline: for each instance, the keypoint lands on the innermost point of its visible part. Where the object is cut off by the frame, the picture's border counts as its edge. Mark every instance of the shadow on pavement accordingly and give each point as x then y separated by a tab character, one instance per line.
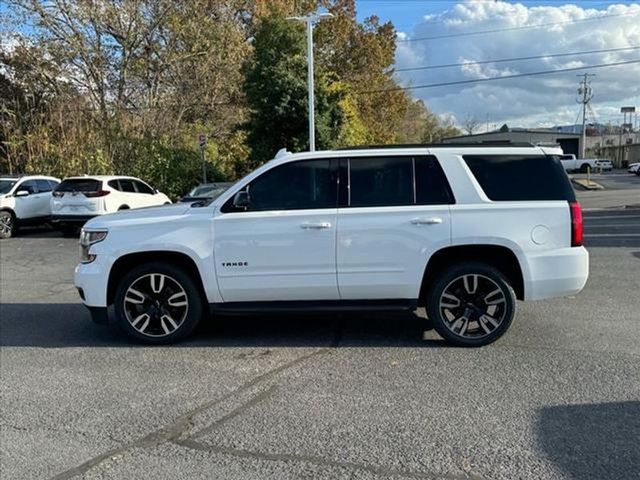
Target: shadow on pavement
597	441
69	325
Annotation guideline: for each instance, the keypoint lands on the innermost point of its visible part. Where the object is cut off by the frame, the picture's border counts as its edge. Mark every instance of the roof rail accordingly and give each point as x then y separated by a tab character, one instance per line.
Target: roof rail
484	143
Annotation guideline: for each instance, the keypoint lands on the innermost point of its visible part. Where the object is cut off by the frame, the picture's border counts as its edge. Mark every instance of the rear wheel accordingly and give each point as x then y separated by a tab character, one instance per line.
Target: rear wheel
157	303
584	167
8	224
471	304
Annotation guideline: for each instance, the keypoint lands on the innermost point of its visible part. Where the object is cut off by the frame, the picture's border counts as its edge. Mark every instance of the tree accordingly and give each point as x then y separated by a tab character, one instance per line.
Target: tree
471	123
276	92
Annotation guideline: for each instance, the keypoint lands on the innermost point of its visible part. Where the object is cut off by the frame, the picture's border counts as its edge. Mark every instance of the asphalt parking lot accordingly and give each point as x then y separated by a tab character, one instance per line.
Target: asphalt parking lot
358	397
620	188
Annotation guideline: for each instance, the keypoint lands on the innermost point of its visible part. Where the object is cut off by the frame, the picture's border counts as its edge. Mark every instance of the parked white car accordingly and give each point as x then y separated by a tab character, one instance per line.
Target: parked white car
463	230
633	167
24	200
603	164
78	199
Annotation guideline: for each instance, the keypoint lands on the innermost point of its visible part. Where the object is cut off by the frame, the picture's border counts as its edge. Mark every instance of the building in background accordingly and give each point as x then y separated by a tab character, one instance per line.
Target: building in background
570	142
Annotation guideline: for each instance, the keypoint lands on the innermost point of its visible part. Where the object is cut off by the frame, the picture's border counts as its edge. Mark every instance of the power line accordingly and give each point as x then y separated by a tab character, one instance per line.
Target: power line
511	29
514	59
504	77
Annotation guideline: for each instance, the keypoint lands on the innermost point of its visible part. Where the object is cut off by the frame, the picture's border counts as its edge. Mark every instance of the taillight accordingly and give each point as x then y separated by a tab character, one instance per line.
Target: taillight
576	224
99	193
57	194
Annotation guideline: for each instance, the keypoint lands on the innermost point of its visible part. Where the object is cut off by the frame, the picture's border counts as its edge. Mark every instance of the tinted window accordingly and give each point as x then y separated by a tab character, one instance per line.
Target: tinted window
519	177
381	181
6	185
79	185
43	186
432	187
127	185
115	184
53	184
30	186
143	188
294	186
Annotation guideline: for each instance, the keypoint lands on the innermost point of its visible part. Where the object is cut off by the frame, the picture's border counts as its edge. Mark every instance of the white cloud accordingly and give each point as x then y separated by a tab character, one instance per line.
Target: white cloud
526	101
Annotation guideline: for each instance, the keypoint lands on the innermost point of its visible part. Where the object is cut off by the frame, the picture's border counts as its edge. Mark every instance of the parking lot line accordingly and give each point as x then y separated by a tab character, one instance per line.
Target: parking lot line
612	235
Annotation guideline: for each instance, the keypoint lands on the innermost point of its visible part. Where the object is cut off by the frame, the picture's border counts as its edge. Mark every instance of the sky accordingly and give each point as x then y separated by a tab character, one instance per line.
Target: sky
536	101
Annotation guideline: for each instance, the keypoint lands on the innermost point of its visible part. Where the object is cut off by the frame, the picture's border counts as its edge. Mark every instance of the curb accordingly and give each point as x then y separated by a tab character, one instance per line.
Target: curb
585	185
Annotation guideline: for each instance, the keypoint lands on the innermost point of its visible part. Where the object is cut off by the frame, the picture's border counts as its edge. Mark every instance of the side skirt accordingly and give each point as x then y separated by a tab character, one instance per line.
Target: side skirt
312	306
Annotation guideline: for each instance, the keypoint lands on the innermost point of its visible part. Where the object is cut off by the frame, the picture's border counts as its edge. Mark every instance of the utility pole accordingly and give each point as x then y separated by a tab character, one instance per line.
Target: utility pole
585	94
309	20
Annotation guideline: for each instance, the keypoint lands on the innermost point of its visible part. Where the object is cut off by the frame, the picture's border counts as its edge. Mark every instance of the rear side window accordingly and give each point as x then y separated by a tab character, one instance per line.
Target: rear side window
79	185
396	181
43	186
520	177
126	185
432	187
380	181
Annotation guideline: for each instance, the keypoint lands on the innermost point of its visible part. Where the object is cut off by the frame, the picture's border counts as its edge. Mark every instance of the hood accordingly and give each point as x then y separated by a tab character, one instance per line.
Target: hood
148	215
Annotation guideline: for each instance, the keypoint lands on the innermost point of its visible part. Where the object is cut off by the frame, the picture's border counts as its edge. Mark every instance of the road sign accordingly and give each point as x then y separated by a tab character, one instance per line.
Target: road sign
202	140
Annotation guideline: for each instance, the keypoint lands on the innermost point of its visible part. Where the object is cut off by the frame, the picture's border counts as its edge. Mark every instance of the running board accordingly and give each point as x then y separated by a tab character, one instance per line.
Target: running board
313	306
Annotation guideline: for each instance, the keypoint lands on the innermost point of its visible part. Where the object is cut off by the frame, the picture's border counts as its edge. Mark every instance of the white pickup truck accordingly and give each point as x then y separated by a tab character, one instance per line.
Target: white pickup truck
573	164
462	230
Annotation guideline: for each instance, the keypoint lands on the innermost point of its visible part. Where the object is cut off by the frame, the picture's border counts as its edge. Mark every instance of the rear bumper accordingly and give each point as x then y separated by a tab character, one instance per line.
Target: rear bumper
76	220
557	273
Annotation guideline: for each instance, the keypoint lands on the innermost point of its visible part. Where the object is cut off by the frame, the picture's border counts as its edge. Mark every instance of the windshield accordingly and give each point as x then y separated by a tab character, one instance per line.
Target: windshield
207	191
6	186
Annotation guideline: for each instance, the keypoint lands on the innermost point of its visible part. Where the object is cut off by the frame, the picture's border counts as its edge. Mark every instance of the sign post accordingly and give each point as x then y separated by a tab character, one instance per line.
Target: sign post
202	142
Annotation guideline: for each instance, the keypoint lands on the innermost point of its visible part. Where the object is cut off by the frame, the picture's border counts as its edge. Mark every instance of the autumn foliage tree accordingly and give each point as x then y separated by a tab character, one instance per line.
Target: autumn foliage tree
126	87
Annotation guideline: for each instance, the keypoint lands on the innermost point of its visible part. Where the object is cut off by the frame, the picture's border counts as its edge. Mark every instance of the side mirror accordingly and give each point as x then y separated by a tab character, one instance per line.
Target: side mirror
21	193
241	200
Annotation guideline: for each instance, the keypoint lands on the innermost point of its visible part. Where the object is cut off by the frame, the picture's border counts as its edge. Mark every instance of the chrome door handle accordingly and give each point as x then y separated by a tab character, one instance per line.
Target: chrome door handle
426	221
315	226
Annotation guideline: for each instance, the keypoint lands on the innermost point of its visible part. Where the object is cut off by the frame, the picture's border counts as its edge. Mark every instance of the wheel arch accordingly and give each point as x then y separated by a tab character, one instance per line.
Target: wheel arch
497	256
12	212
124	207
132	260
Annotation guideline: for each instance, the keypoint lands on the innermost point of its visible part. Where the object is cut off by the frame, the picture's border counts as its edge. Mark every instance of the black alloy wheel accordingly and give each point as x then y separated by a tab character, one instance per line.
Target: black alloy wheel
471	304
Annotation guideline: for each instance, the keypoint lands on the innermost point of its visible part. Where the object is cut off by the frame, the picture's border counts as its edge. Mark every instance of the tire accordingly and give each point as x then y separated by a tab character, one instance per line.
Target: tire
123	207
474	321
68	230
584	168
149	303
8	224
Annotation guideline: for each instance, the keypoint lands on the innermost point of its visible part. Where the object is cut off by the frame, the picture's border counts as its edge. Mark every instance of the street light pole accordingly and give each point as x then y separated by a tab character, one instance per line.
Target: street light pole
309	20
312	108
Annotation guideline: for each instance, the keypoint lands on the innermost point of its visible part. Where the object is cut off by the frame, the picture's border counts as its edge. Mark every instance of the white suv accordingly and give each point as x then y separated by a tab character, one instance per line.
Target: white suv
24	200
77	199
464	230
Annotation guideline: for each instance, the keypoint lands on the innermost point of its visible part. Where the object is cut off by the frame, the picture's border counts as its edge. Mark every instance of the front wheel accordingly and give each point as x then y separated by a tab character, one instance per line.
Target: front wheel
157	303
471	304
8	224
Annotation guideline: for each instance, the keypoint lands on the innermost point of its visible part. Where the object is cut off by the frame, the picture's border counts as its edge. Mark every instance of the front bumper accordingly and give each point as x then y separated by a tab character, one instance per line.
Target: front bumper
557	273
91	280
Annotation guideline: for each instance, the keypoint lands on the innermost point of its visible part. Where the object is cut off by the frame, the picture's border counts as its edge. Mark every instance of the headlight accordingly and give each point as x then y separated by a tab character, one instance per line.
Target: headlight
88	238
